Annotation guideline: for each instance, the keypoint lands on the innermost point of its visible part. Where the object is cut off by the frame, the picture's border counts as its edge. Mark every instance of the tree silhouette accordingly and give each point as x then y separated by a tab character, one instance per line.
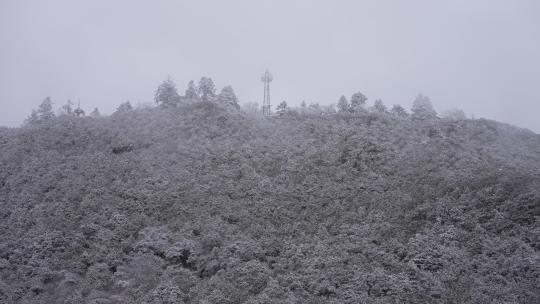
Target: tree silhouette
166	94
207	89
398	111
343	105
191	91
227	96
124	107
379	106
282	108
358	101
422	108
45	110
95	113
67	109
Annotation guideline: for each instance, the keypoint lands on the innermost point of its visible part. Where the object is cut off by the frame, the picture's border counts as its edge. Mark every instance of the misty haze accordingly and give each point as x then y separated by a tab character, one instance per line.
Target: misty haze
269	152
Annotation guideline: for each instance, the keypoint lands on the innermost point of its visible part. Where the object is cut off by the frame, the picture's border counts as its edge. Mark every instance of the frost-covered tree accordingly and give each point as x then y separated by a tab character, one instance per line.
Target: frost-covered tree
32	119
214	247
191	91
124	107
422	108
314	108
45	110
454	115
379	106
343	105
166	94
329	109
282	108
251	108
398	111
303	107
43	113
207	89
95	113
67	109
227	96
358	101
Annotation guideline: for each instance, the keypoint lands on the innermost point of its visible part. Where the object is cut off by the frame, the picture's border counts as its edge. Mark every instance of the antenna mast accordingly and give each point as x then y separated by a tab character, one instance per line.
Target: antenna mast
266	79
79	112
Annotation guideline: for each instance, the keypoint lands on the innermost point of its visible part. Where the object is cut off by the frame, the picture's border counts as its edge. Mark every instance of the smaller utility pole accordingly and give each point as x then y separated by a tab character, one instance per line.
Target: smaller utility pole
79	112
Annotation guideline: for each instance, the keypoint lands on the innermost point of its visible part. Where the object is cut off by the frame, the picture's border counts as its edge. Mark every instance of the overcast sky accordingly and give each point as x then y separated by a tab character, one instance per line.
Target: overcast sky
482	56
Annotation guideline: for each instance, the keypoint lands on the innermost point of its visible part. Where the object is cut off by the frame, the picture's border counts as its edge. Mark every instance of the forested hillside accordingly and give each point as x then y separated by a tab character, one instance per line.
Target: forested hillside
204	203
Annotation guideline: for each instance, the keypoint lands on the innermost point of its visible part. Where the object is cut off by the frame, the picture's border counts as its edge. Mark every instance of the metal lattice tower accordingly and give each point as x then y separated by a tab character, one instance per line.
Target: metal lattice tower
266	79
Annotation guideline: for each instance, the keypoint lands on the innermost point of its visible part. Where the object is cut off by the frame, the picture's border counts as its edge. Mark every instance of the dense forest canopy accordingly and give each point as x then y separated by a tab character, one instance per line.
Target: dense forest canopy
199	201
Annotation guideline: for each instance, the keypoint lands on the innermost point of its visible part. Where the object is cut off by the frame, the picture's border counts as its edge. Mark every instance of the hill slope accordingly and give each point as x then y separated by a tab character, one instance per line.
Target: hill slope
202	204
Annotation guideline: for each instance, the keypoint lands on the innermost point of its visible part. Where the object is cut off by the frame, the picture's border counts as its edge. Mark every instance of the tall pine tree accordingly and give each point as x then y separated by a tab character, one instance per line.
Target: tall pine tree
358	100
45	110
166	94
191	91
207	89
343	105
422	108
228	97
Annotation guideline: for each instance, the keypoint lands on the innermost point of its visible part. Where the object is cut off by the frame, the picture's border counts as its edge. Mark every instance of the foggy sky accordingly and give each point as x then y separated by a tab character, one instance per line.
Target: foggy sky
482	56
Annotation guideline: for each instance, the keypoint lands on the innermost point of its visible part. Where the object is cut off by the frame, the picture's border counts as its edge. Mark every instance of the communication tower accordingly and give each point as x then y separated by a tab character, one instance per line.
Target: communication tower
266	79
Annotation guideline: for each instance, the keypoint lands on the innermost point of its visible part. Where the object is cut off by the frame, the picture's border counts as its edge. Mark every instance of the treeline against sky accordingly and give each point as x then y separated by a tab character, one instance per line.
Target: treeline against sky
167	96
200	201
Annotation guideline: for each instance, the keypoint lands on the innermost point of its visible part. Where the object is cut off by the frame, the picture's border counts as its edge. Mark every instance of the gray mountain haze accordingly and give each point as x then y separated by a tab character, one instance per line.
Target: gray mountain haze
481	56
